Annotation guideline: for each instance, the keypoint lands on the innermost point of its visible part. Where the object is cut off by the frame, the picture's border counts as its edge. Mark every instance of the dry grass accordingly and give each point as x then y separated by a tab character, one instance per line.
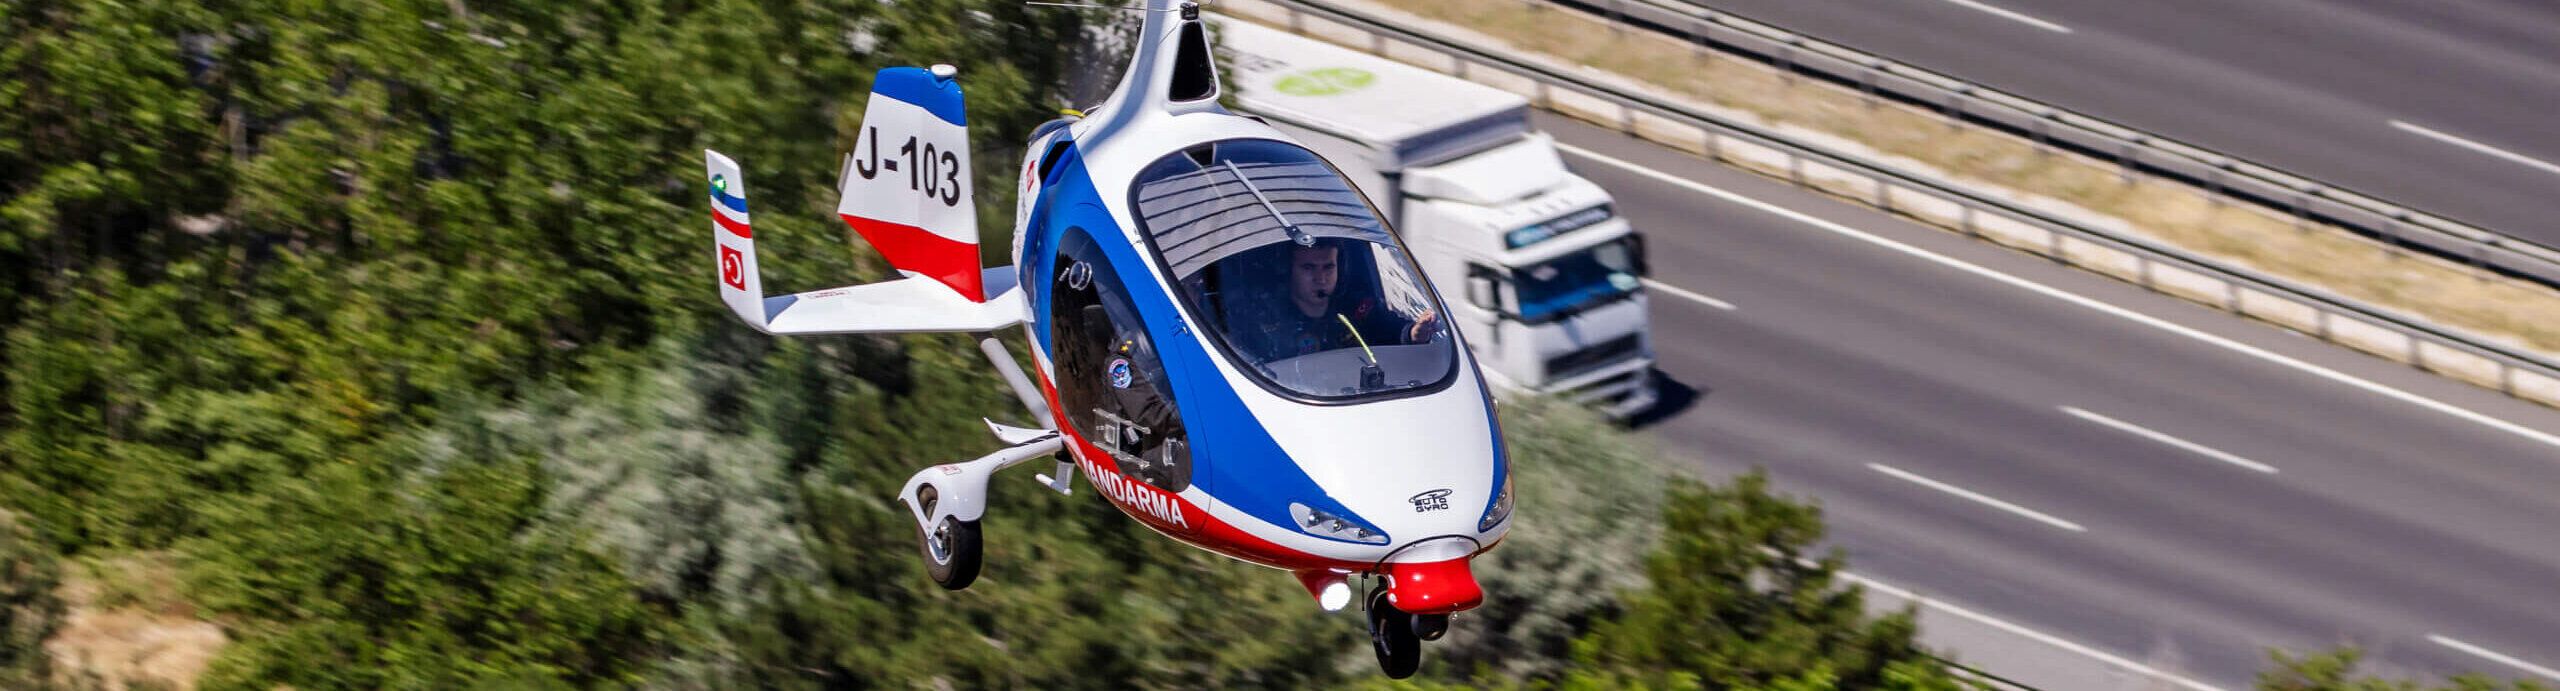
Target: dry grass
127	625
2446	293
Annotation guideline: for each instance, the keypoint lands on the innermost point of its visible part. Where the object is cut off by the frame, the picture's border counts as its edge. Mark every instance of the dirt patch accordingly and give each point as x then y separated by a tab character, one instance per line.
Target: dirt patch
127	626
2516	312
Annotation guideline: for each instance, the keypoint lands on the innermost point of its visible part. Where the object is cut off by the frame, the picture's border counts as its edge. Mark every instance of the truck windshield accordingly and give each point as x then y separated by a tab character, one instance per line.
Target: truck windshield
1576	281
1291	272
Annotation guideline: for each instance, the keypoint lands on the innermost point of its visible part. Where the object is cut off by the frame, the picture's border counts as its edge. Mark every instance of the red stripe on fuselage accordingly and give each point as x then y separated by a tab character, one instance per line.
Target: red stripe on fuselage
910	248
1202	531
733	226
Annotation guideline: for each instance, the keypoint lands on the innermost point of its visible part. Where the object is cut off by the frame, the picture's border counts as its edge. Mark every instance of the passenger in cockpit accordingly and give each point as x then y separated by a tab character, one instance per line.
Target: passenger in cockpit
1320	313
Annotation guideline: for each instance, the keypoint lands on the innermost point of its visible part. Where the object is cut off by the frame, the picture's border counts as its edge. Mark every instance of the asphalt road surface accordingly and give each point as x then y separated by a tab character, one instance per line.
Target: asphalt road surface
2450	106
2121	473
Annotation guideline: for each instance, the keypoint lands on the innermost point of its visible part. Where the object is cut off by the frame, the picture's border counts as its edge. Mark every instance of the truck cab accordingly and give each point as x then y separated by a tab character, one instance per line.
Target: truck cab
1550	277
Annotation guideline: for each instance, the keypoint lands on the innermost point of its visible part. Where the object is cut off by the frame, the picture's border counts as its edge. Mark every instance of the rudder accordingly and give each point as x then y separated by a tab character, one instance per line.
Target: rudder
907	187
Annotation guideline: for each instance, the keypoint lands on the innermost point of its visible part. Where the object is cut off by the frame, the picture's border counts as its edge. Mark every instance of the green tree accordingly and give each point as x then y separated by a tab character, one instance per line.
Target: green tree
1588	495
2335	670
1736	603
29	609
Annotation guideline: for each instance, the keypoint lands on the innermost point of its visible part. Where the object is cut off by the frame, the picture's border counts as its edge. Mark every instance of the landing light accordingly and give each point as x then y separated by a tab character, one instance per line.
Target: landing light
1336	595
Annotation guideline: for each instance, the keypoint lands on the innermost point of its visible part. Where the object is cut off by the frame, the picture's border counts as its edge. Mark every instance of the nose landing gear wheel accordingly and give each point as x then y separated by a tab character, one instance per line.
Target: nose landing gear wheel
1391	635
951	549
1429	627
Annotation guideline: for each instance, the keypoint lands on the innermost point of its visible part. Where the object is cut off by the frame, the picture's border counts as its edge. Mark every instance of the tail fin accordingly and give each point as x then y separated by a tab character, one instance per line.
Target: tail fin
733	238
907	190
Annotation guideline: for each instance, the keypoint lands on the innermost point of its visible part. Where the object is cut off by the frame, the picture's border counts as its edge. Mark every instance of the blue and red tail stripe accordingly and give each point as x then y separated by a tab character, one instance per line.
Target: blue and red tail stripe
722	202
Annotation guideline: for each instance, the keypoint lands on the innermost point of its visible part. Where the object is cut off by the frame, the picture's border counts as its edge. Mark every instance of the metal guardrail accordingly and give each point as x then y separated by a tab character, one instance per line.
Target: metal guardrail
1577	92
2131	150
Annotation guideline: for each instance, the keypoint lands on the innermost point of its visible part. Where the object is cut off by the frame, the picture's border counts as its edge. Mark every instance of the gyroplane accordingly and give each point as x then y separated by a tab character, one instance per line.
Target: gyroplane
1229	340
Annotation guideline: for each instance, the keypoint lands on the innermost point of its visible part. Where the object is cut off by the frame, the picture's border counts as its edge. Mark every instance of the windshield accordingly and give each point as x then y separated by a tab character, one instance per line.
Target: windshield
1574	281
1292	272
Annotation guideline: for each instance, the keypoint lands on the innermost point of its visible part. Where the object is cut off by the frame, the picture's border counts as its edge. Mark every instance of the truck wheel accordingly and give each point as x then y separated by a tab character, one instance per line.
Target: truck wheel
951	548
1391	636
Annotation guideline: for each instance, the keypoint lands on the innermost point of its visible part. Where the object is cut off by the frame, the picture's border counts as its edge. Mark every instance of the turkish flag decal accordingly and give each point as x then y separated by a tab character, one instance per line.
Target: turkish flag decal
733	268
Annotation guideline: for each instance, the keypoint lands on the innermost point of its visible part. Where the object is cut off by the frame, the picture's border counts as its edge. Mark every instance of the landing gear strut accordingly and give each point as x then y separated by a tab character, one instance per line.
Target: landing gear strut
1393	635
948	500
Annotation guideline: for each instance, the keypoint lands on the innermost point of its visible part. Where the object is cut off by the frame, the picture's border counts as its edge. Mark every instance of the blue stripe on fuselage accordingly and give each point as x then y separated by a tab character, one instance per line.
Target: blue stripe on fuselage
1233	458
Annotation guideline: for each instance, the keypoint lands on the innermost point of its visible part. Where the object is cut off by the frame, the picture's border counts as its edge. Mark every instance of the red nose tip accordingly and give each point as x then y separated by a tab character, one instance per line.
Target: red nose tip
1438	587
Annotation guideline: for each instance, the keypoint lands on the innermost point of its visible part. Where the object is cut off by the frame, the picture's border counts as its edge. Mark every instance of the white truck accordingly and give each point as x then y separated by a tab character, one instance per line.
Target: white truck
1551	276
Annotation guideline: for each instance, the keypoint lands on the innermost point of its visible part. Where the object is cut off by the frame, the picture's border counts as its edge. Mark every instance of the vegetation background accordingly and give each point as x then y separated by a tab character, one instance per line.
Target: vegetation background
370	345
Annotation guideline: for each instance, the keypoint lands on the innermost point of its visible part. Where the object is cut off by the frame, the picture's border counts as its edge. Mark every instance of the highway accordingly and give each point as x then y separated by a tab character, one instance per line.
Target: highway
2444	105
2131	475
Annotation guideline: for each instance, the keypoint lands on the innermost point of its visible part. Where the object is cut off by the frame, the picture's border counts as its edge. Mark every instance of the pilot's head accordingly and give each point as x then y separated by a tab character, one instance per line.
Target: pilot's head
1313	270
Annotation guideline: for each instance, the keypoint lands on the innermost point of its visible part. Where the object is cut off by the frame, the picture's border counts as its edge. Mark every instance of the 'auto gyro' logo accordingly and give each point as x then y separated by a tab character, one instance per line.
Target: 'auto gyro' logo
1434	500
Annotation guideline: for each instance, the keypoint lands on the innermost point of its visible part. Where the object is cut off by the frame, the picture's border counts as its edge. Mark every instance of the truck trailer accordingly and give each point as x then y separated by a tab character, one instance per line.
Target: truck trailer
1551	275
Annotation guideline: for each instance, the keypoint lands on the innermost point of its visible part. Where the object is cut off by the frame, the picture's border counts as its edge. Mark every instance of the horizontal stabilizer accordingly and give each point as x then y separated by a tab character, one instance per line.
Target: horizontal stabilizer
909	305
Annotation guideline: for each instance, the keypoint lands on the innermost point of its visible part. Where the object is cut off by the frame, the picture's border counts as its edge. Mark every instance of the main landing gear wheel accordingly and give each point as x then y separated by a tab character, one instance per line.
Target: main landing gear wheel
951	548
1391	635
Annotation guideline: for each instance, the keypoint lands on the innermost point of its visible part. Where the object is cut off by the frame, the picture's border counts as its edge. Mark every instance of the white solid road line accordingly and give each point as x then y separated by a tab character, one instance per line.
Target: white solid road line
2030	634
2494	656
2077	299
2191	447
2013	16
1677	291
1978	497
2476	146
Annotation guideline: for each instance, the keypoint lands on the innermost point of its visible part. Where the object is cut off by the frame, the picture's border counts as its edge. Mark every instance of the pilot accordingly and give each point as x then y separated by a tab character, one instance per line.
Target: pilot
1313	319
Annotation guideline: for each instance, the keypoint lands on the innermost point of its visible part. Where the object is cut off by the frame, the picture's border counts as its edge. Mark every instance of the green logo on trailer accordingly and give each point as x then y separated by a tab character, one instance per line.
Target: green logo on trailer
1326	81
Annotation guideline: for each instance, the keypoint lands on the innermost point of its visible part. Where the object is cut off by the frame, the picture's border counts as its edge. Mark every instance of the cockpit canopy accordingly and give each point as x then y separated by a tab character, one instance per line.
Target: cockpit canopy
1292	272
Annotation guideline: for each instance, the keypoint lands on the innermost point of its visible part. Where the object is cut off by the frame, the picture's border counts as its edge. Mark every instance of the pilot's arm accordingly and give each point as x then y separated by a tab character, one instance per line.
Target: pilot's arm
1383	326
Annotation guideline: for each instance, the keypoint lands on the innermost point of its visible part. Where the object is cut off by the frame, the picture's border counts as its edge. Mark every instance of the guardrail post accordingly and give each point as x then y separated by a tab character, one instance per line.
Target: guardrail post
2128	156
1787	59
1715	144
2302	207
1965	218
2320	320
1955	105
2213	180
2142	265
2044	119
2391	232
2506	378
1697	41
1867	80
1616	24
1795	169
